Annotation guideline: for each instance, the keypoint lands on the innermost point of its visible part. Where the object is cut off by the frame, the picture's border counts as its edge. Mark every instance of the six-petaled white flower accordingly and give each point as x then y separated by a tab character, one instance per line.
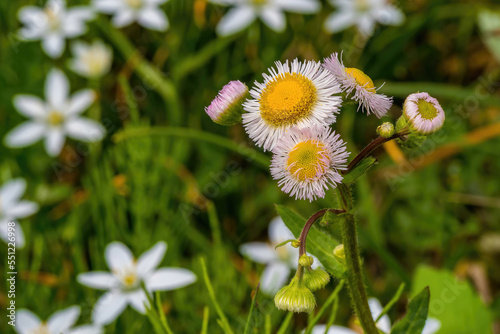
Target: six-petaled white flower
124	283
61	322
53	24
244	12
13	208
55	118
91	60
145	12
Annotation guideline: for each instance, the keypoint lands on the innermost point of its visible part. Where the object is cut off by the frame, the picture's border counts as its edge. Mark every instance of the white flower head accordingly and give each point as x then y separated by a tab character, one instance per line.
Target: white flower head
279	262
61	322
245	12
226	108
363	14
53	24
123	284
296	94
55	118
13	208
91	60
359	86
307	162
424	113
145	12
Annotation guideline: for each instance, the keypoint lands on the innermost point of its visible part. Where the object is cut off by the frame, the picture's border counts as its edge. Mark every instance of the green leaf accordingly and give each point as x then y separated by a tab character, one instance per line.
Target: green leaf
414	321
391	303
318	243
359	170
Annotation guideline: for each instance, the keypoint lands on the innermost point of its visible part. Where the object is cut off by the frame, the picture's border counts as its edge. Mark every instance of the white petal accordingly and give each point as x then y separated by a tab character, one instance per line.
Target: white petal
30	14
259	252
274	278
26	321
320	329
53	45
384	323
29	106
153	18
137	300
118	256
85	129
31	33
11	192
235	20
431	326
19	234
54	141
56	88
25	134
274	19
108	6
339	21
165	279
21	209
108	308
80	101
390	15
87	329
62	320
80	13
98	280
299	6
366	25
123	18
278	232
150	259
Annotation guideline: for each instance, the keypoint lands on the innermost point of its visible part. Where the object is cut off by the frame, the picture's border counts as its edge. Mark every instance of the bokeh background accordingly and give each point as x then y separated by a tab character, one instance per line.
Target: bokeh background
426	217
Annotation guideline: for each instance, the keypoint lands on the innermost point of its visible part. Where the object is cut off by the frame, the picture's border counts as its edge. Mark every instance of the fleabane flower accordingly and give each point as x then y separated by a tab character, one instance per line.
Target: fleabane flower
296	94
55	118
145	12
359	86
227	107
123	284
245	12
61	322
13	208
53	24
279	262
91	60
364	14
423	113
307	162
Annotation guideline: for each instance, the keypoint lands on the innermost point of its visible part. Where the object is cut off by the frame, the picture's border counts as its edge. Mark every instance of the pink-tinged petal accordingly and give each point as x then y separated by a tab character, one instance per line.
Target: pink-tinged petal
259	252
84	129
118	256
138	300
274	19
25	134
153	18
56	88
236	20
26	321
63	320
274	278
53	45
165	279
54	141
30	106
11	192
101	280
80	101
21	209
108	308
150	259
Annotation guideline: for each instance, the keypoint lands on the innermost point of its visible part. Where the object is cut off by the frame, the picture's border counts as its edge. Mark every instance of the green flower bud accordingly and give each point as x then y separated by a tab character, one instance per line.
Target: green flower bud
339	254
295	297
385	130
306	261
316	279
295	244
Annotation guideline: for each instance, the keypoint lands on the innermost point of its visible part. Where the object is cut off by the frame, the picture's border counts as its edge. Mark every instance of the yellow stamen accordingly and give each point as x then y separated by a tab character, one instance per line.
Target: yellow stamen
129	280
361	79
287	99
259	2
362	5
134	3
52	18
305	160
55	118
426	109
42	329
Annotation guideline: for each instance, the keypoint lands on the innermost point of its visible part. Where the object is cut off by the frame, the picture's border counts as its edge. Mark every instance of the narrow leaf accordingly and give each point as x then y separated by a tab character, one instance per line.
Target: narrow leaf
414	321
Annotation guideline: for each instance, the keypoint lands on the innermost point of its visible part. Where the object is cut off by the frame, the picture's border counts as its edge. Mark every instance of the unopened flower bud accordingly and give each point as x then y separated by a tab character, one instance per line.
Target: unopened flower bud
226	108
385	130
295	297
306	261
339	254
295	244
316	279
423	113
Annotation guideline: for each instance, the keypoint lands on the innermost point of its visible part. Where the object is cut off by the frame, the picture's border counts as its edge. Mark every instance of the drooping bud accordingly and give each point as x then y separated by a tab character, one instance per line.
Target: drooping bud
306	261
423	113
316	279
385	130
295	297
339	254
226	108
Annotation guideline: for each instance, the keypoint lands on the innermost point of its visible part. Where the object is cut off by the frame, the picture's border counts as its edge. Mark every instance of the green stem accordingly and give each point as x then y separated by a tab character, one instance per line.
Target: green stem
355	276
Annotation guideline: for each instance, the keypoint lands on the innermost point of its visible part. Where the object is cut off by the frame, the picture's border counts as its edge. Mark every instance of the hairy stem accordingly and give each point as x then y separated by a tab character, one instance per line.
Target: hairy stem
305	230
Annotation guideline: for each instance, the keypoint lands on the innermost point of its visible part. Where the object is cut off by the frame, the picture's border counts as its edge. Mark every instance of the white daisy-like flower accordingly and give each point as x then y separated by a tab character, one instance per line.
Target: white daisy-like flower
307	162
61	322
364	14
123	284
424	113
55	118
297	94
53	24
145	12
279	262
13	208
226	108
356	84
384	324
91	60
245	12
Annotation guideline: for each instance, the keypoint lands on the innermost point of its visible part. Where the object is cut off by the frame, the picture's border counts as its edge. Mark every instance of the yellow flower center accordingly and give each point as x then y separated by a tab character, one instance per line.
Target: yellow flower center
52	18
94	62
307	160
362	5
361	79
287	99
129	279
426	109
259	2
55	118
134	3
42	329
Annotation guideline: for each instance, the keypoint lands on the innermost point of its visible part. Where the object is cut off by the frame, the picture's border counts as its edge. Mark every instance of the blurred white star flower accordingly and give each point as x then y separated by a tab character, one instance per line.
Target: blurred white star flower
145	12
61	322
384	324
123	284
279	262
53	24
244	12
363	14
55	118
13	208
91	60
